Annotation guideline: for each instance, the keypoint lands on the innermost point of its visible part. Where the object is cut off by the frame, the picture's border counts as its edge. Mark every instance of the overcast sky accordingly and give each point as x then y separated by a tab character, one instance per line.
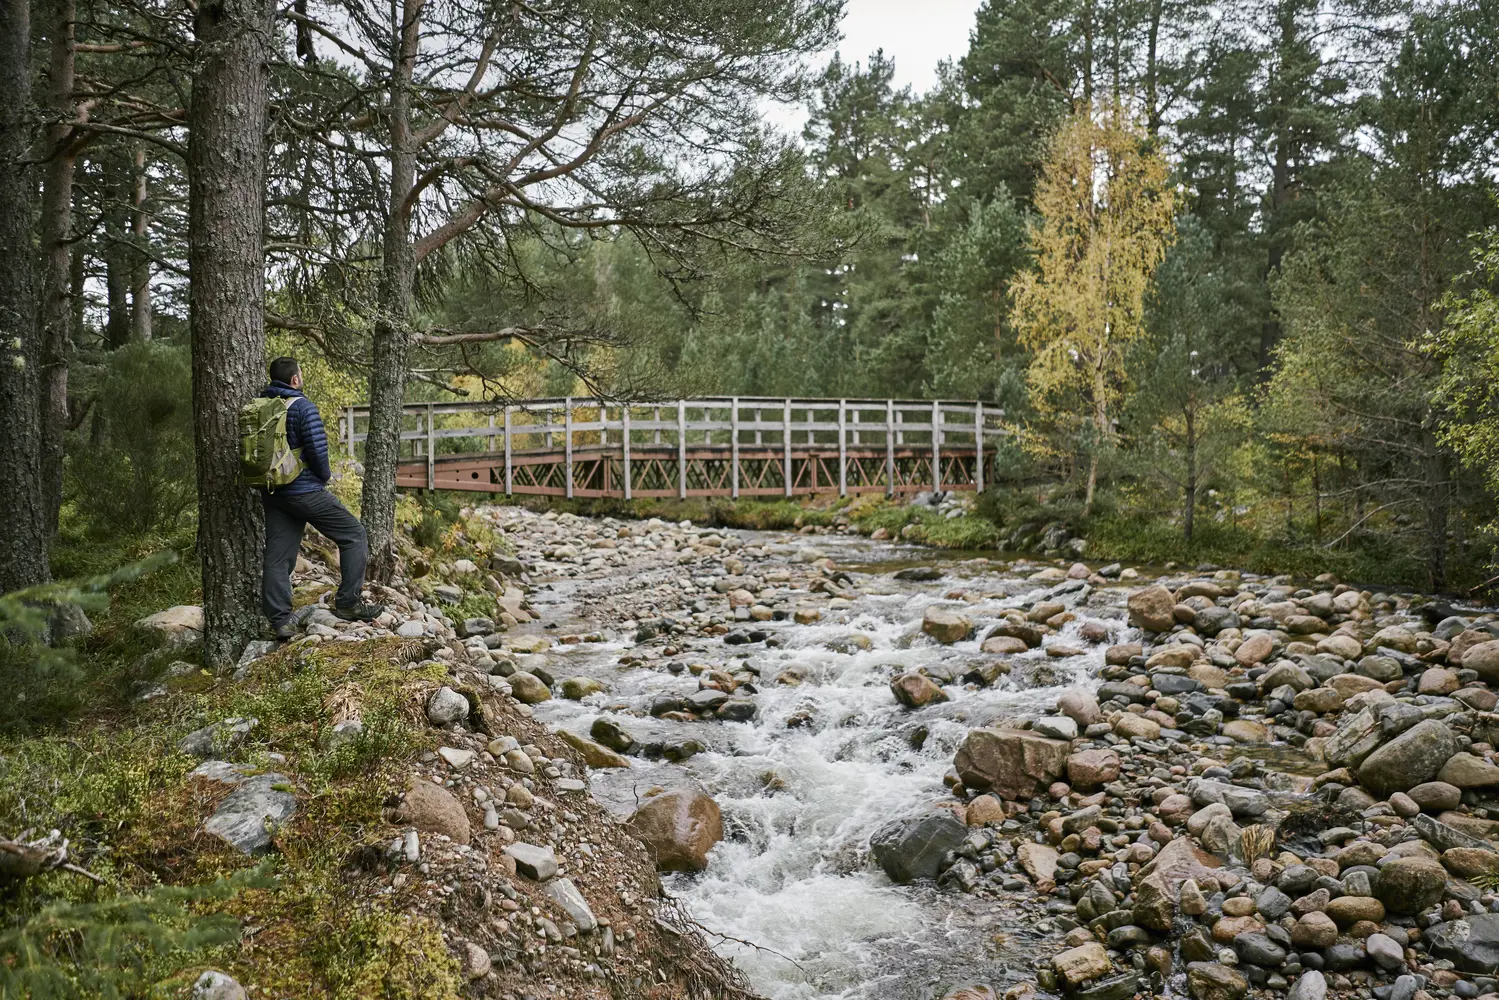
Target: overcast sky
917	34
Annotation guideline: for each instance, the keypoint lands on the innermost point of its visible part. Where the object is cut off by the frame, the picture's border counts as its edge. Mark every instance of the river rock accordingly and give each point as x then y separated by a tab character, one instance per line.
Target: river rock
1385	951
593	754
528	688
1464	770
1003	645
916	690
1357	736
1411	884
1092	768
945	625
1211	981
1310	985
1470	943
1436	796
1011	763
1055	727
431	808
1079	706
214	985
1255	649
535	862
1469	862
1131	726
1349	910
1246	731
1152	609
175	628
247	815
565	894
1483	659
446	707
680	827
1082	964
1314	930
914	848
1411	758
1038	860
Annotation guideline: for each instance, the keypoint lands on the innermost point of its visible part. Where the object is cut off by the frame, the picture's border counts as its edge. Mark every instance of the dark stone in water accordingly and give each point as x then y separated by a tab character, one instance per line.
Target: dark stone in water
1115	987
911	849
919	574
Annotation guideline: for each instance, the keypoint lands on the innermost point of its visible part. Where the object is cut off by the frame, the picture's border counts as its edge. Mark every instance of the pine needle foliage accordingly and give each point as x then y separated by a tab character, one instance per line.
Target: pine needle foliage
42	674
106	948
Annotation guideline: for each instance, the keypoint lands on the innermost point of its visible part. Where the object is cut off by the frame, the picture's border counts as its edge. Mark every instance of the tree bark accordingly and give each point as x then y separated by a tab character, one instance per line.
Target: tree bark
398	276
140	275
1189	498
226	262
56	225
23	522
116	252
1437	501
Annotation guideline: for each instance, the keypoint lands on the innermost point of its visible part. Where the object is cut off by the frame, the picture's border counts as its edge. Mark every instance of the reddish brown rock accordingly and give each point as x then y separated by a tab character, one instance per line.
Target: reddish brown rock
1011	763
433	809
679	828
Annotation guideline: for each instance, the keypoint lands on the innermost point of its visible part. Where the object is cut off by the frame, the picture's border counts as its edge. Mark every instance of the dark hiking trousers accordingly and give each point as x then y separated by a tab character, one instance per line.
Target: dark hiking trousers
285	517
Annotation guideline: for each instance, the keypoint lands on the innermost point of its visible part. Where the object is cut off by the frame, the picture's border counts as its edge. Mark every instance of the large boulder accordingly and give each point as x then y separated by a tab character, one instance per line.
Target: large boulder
1484	658
249	815
1411	758
1158	884
1470	943
431	808
175	628
1152	609
1011	763
911	849
679	828
945	625
1411	884
528	688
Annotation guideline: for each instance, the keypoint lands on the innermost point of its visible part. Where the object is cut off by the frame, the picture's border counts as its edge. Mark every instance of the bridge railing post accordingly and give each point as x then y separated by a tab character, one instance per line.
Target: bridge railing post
978	447
734	447
681	449
786	445
431	451
843	447
567	443
936	446
625	434
890	447
509	482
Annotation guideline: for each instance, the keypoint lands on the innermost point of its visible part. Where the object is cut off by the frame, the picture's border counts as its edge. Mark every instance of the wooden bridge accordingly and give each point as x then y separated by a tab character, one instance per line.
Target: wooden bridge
730	446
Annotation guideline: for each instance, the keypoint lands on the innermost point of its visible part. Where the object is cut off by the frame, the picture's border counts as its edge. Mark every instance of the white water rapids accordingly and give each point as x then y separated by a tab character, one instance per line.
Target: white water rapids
802	909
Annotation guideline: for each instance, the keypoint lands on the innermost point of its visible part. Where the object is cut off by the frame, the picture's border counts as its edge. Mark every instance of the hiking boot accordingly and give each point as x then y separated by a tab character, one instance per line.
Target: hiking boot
285	631
360	612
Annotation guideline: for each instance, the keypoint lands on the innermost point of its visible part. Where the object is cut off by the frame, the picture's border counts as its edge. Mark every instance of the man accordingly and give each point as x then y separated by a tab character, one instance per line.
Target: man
303	501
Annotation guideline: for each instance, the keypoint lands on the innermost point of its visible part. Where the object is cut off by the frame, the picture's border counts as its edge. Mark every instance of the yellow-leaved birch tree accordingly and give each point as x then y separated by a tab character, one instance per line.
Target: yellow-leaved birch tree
1106	212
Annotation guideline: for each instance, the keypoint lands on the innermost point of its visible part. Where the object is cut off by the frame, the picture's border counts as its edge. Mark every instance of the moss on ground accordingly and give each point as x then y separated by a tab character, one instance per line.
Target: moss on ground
118	789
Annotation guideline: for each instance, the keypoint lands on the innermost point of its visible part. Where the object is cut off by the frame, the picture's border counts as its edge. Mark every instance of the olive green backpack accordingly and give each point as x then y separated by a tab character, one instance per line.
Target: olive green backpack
266	458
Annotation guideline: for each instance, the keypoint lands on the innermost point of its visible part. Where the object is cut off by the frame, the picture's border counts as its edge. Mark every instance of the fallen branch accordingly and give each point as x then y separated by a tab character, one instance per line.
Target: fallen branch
21	859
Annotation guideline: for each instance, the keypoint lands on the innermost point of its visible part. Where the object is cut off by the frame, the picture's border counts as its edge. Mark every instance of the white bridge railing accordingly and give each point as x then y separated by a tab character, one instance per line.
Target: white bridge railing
718	445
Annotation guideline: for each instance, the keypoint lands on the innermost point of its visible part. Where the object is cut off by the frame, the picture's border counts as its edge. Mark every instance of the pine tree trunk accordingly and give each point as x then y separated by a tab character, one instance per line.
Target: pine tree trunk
1189	498
23	522
56	284
1437	501
226	261
398	275
140	277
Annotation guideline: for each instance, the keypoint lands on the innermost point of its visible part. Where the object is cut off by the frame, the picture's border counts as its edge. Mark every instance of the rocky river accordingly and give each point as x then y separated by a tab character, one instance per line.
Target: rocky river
869	770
